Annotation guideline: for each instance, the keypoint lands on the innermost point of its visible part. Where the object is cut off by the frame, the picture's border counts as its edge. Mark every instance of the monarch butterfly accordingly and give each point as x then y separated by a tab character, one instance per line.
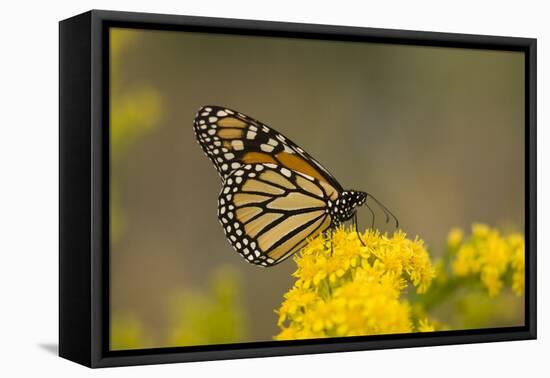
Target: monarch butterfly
274	194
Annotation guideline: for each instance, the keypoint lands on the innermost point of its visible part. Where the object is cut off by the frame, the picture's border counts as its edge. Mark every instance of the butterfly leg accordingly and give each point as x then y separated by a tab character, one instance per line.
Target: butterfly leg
327	238
331	243
357	229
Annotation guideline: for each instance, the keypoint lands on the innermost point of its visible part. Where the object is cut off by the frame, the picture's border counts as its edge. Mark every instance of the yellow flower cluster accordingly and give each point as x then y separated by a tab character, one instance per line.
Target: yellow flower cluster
492	256
348	289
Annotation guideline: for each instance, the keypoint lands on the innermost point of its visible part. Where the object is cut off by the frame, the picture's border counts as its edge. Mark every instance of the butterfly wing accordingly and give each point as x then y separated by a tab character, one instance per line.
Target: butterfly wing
268	211
231	139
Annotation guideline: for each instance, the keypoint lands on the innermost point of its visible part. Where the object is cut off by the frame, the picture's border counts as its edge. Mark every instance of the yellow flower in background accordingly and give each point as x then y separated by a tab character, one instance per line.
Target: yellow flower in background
127	332
455	237
135	111
193	317
212	317
517	262
425	326
490	255
350	289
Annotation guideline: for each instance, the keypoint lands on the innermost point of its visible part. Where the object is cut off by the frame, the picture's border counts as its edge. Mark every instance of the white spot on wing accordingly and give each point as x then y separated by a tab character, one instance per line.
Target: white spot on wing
237	145
286	172
266	148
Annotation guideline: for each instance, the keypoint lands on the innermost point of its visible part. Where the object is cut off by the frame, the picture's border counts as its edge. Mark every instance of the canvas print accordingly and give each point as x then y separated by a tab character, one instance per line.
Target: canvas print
271	189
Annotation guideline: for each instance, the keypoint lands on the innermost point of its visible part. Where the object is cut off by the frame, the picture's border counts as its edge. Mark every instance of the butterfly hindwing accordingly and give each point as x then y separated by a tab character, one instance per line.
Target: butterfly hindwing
268	211
231	139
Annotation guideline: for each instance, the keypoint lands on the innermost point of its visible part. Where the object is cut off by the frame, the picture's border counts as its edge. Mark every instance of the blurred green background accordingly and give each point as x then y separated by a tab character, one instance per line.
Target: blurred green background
437	134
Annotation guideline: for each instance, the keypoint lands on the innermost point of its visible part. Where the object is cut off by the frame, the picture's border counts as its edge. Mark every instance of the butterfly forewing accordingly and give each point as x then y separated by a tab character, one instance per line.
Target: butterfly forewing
231	139
268	211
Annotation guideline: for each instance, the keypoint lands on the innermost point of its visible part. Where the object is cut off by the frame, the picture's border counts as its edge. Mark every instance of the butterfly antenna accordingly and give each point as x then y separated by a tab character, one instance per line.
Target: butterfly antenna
373	216
387	212
357	230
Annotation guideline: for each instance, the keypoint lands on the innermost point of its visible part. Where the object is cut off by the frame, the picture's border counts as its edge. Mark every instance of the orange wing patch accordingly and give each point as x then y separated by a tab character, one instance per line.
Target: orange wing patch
231	122
230	133
297	163
258	157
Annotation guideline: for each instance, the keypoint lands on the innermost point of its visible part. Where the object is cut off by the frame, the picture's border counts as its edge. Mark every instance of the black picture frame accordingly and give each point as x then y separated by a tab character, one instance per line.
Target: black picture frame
84	194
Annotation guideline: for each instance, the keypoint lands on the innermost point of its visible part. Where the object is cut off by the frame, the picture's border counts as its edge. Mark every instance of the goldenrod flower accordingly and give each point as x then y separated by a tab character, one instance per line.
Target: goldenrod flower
347	289
295	301
490	255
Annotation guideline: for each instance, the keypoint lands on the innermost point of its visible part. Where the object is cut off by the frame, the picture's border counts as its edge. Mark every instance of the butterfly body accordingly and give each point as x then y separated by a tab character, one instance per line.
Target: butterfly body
274	195
345	207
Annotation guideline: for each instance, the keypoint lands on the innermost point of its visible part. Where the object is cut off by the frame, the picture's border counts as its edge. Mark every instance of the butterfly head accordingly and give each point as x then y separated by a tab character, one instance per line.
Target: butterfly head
345	206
